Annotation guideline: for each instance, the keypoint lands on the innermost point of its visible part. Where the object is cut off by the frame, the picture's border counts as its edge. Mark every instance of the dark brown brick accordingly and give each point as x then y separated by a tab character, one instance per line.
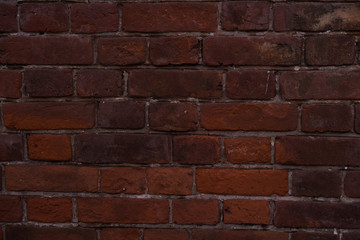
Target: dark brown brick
50	147
357	118
100	148
269	50
48	83
317	151
246	211
351	236
250	84
130	115
175	84
215	234
10	209
11	148
10	83
352	184
170	17
245	16
120	234
165	234
313	236
317	214
8	21
196	149
49	209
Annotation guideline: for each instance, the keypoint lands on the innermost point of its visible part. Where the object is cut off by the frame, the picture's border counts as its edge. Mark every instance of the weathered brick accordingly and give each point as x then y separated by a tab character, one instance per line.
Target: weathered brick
196	149
326	118
122	51
50	147
43	233
11	148
164	116
245	16
313	236
330	50
242	182
170	17
249	116
49	115
351	236
51	178
215	234
46	50
50	18
133	210
99	83
94	18
123	180
130	115
165	234
317	151
196	211
100	148
352	184
10	83
49	209
316	17
174	50
357	118
175	84
48	83
10	209
120	234
248	150
176	181
250	84
246	211
269	50
317	214
320	85
8	21
316	183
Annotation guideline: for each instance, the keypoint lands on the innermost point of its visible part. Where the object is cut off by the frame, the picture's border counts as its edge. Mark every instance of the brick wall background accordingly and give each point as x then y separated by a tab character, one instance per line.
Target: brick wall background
183	120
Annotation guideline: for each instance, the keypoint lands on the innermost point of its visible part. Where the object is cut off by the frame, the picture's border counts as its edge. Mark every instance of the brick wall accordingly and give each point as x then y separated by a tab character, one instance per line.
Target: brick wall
185	120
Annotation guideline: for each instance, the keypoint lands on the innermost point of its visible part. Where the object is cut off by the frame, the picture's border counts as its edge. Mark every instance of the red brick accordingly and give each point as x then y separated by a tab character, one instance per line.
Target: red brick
352	184
317	151
49	209
94	18
269	50
170	17
106	210
100	148
8	21
196	211
123	180
10	83
50	147
55	233
248	150
242	182
48	83
175	84
317	214
320	85
165	234
357	118
174	50
166	116
120	234
196	149
245	16
99	83
130	115
10	209
1	234
51	178
250	84
49	115
326	118
330	50
51	18
46	50
122	51
351	236
11	147
176	181
316	17
316	183
249	116
313	236
246	211
215	234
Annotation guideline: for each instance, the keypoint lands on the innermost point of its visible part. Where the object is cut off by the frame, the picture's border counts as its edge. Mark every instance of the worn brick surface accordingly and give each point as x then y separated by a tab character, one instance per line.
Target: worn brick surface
120	234
49	209
10	84
50	147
